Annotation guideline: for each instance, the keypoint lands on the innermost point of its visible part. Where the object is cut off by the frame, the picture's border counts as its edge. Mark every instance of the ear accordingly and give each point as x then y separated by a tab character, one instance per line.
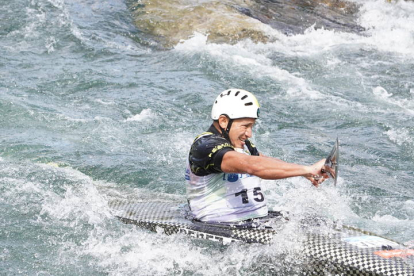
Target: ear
223	121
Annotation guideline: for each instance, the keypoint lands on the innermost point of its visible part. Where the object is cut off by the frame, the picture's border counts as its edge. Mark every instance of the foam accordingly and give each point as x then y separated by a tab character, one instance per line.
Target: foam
134	251
64	19
40	24
408	207
314	42
50	44
115	247
400	136
390	26
298	197
405	105
388	29
104	102
129	251
381	93
81	201
249	58
144	115
389	219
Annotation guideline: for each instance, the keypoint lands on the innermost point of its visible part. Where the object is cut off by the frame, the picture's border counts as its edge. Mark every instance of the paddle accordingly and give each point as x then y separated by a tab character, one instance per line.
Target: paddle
331	163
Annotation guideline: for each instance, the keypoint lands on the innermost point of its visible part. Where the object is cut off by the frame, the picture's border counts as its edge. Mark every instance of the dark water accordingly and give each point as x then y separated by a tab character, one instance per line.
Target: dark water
94	109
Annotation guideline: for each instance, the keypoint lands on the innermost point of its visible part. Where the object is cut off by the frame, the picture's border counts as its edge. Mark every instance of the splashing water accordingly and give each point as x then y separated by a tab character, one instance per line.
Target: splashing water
94	108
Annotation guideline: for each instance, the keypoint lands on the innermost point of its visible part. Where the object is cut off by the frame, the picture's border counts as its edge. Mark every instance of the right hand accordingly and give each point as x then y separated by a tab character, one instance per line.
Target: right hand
318	173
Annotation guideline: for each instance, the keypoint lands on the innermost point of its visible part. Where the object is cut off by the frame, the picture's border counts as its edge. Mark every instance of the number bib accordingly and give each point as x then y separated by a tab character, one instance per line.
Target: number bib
243	191
225	197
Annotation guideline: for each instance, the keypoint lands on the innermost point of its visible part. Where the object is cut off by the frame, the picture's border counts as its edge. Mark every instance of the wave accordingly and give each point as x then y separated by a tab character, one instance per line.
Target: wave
144	115
389	26
373	24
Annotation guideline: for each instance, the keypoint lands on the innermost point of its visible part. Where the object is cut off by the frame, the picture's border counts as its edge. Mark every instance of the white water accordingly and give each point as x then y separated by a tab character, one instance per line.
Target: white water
91	112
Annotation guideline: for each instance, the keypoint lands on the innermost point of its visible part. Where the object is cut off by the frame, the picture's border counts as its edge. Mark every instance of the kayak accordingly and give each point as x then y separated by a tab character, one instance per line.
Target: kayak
343	250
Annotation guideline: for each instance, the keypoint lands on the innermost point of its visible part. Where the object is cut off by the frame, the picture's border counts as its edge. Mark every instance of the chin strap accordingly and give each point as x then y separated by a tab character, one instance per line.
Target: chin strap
225	132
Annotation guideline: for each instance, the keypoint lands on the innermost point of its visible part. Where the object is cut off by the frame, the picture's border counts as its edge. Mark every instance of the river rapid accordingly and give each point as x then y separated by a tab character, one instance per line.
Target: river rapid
100	101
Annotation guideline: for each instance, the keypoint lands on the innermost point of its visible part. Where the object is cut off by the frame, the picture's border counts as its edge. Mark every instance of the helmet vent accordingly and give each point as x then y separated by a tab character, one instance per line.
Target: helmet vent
247	104
228	93
244	97
237	93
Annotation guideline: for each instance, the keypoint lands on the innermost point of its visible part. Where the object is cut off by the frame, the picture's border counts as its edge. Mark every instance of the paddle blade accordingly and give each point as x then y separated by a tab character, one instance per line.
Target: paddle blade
331	163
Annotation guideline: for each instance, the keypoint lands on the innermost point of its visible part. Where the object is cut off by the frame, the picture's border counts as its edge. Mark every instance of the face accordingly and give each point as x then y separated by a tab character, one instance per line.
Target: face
240	131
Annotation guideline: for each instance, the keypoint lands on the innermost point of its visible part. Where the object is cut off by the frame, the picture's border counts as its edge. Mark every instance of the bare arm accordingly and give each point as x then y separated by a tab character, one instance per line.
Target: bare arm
267	167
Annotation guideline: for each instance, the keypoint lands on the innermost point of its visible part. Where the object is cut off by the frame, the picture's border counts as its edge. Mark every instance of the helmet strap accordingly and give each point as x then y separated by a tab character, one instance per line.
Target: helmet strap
225	132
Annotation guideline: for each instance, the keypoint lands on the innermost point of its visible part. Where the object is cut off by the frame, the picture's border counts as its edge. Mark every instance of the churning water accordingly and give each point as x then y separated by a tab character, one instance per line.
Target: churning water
100	100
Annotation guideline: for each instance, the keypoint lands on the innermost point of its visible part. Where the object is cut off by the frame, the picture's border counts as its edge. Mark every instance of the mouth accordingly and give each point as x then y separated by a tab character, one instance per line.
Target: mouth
243	141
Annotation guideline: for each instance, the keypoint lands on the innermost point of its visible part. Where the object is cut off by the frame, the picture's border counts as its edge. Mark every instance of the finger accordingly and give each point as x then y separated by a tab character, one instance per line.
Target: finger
325	175
329	171
314	182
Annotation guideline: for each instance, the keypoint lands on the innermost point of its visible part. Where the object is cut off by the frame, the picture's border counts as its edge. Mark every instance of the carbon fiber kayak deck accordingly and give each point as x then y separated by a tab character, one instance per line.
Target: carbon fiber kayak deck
346	251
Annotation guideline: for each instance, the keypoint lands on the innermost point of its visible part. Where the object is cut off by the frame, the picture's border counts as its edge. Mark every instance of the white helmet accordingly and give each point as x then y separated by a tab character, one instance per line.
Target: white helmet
236	104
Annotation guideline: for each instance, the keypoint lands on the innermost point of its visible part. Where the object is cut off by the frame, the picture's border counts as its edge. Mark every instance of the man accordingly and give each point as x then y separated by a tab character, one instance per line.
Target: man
224	169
